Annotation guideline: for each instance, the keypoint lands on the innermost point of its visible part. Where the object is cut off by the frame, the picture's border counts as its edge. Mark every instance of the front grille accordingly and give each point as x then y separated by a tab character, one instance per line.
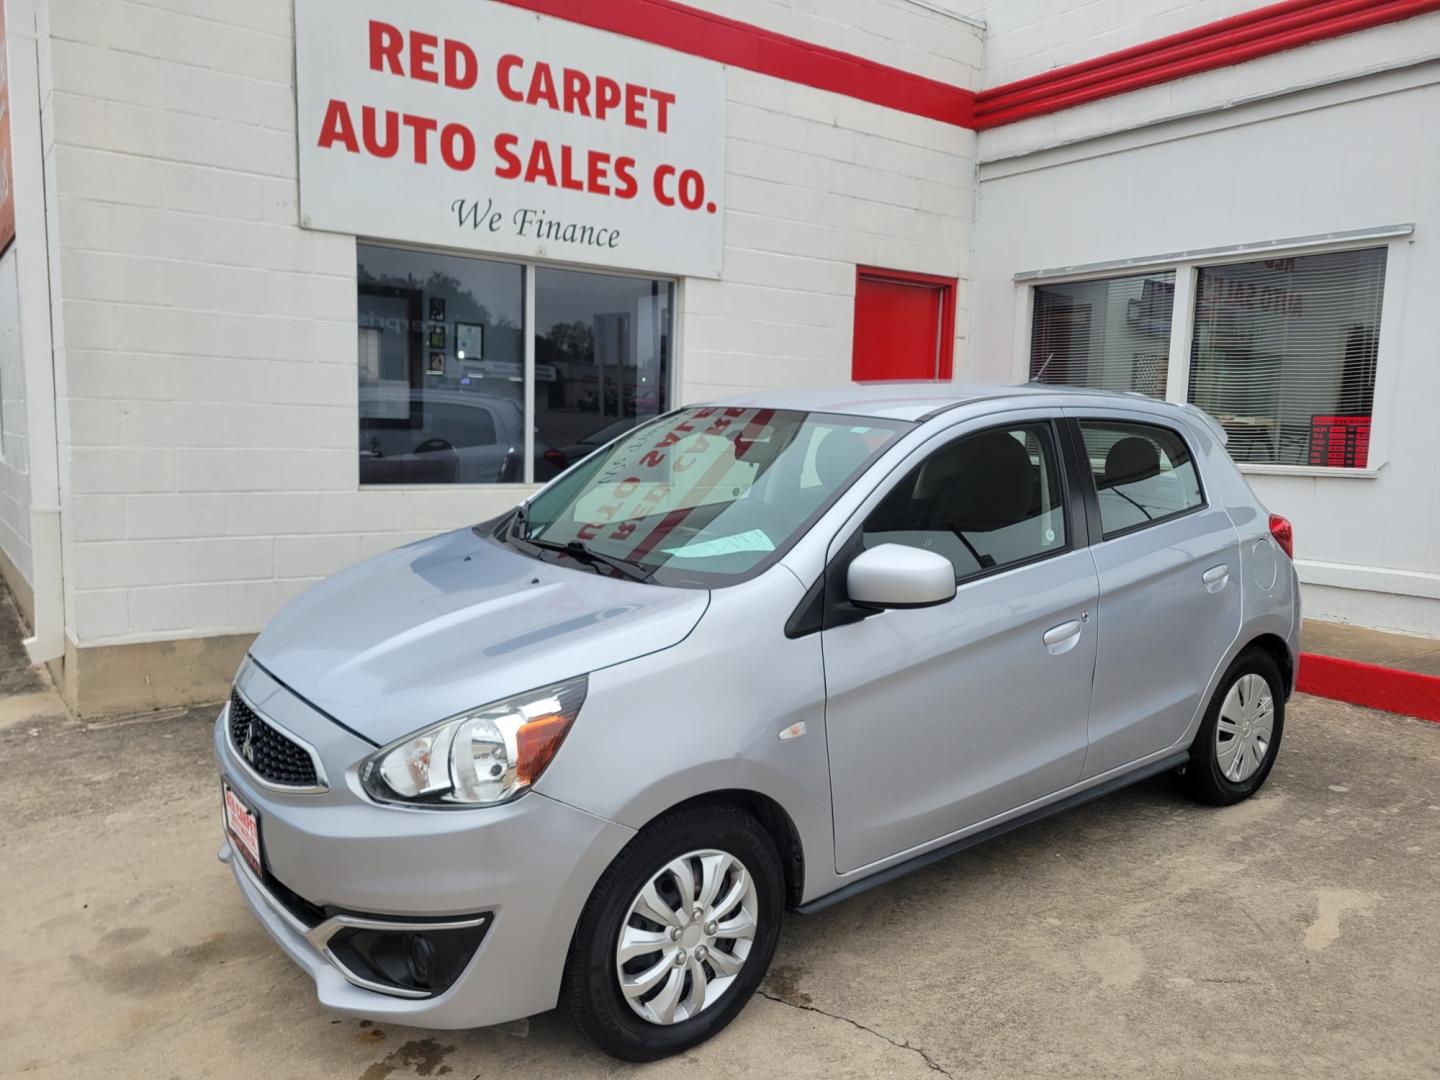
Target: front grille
273	756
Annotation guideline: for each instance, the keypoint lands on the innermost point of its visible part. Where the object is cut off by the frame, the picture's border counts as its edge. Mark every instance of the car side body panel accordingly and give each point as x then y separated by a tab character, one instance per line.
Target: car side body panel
759	762
1170	599
706	716
941	717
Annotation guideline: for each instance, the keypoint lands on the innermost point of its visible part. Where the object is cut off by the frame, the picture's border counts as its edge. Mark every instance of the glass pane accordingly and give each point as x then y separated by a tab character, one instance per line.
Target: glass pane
1284	355
988	500
441	368
602	361
1142	473
1107	335
707	495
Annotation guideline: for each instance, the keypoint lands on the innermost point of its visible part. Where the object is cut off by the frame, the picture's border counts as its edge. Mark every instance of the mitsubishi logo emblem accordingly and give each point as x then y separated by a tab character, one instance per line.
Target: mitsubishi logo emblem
247	748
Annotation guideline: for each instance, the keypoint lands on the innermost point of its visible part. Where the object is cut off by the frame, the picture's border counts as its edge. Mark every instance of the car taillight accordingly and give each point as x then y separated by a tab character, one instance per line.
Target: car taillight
556	458
1284	535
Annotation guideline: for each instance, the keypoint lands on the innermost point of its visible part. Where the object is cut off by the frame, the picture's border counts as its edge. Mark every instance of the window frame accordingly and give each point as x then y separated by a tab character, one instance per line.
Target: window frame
826	604
1074	520
527	482
1080	456
1394	239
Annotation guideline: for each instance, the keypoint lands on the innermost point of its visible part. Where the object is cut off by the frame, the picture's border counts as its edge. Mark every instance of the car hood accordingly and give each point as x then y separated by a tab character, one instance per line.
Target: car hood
421	633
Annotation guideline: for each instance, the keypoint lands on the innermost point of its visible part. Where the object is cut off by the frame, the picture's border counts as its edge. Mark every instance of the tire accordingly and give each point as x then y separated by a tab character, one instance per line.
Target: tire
1222	771
592	991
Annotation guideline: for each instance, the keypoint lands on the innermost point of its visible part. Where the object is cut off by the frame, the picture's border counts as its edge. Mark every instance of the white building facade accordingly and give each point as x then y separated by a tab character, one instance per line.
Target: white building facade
300	281
1254	239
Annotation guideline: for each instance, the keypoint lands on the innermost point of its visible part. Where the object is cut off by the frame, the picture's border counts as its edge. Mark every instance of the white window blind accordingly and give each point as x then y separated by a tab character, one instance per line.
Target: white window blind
1109	334
1284	352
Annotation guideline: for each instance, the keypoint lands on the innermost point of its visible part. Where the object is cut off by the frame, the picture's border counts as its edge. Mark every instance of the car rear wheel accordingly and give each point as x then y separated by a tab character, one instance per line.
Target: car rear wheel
1239	737
677	934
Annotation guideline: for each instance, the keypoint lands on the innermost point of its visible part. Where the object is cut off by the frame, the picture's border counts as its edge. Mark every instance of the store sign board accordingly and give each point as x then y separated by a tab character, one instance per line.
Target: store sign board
481	126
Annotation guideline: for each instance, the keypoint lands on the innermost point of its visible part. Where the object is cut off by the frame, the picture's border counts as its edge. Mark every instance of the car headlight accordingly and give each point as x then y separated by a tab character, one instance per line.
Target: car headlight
479	758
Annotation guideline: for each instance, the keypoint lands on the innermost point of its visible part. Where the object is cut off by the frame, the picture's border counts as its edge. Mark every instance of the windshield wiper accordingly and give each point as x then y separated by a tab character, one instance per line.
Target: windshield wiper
520	523
595	558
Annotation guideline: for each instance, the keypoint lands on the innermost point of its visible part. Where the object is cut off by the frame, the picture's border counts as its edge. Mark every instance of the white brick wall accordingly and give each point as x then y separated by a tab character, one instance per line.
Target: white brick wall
205	344
14	466
816	184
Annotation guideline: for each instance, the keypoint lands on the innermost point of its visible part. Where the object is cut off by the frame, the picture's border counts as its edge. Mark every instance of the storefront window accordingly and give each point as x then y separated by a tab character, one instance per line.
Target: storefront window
1282	351
1284	355
1110	334
441	343
602	360
442	362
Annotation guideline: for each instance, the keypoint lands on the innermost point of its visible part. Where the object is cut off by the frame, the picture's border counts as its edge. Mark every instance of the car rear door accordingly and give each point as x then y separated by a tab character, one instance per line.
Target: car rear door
1168	561
940	718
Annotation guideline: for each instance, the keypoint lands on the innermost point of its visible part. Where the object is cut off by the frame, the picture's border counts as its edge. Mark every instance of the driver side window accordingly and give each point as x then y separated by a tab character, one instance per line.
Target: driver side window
985	501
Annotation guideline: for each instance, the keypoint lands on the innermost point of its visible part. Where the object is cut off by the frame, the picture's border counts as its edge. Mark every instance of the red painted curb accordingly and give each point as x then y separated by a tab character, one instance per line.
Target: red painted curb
1372	685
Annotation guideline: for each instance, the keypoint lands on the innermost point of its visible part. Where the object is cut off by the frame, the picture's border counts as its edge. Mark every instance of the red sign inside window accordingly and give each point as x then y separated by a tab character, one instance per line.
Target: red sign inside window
1340	441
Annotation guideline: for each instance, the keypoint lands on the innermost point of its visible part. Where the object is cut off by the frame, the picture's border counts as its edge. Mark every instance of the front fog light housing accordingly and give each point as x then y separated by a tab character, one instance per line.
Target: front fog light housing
479	758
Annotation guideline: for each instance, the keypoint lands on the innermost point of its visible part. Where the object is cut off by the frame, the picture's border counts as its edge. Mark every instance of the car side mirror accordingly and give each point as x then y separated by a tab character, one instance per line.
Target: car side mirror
897	576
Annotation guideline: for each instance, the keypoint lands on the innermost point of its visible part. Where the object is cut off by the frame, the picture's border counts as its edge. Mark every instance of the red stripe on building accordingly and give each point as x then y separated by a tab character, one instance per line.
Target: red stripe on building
1377	687
1248	36
714	37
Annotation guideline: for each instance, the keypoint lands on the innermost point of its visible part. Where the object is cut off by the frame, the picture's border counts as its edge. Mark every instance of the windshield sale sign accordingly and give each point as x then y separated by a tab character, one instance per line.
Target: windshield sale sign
482	126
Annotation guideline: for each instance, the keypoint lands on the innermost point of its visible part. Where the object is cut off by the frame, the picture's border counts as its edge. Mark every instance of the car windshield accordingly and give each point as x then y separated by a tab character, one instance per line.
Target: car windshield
706	496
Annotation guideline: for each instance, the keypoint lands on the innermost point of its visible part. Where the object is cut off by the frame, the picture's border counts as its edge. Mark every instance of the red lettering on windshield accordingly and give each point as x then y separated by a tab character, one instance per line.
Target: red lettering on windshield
757	425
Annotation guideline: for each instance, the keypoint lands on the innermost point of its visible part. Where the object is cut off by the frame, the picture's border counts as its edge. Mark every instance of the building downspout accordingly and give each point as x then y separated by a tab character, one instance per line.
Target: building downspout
36	337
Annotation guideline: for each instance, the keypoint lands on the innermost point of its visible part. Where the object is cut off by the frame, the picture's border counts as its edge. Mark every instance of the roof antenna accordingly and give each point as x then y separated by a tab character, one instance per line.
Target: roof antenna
1039	376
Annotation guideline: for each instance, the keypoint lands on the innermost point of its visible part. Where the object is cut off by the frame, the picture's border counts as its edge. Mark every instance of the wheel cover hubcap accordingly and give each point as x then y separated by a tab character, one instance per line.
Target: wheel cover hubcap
1244	728
686	936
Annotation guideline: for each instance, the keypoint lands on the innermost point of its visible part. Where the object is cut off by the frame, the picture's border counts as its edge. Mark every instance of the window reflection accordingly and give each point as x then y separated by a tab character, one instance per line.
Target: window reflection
1108	334
441	369
441	365
602	359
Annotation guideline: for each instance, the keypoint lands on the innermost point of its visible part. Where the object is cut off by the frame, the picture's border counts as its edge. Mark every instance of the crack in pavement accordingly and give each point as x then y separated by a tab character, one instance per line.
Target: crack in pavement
899	1045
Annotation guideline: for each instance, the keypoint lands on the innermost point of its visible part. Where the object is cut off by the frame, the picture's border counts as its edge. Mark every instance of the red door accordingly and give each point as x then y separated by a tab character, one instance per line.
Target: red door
904	326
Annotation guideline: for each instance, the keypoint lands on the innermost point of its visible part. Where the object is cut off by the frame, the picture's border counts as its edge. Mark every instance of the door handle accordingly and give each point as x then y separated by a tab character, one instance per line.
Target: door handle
1062	638
1216	577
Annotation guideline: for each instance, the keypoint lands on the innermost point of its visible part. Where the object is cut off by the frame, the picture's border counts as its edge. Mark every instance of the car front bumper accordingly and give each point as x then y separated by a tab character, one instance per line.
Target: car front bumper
521	872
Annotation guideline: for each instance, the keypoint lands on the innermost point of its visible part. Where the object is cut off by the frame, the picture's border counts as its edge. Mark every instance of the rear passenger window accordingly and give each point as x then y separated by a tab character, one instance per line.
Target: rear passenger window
1143	473
985	501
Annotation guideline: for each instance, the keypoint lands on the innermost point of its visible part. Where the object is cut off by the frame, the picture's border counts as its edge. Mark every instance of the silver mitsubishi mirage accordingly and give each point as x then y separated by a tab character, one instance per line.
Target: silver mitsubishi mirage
755	655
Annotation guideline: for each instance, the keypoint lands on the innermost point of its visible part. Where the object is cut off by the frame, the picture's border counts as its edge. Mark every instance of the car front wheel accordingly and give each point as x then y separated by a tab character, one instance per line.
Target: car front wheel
677	934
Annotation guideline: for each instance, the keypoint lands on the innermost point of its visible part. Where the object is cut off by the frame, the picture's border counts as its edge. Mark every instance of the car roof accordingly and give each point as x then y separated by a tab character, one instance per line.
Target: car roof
917	400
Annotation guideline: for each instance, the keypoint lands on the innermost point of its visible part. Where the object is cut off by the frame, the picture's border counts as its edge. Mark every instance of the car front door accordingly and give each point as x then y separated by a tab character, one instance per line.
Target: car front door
940	718
1168	560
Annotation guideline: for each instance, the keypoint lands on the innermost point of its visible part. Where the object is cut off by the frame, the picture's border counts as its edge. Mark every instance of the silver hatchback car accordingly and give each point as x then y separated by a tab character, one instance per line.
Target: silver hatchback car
754	655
